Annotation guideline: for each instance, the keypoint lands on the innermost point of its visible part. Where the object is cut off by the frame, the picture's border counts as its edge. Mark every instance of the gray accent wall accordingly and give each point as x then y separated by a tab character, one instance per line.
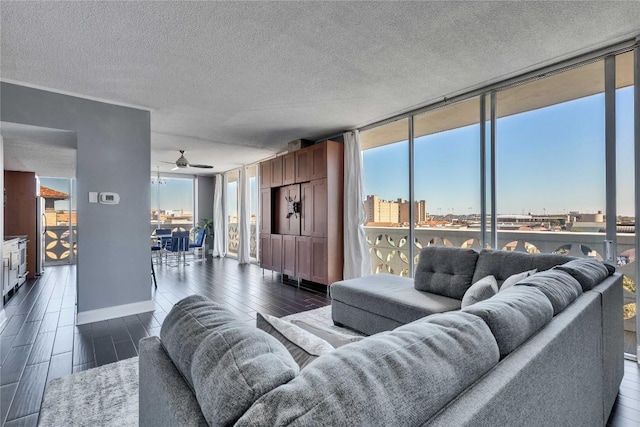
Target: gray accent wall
113	155
205	190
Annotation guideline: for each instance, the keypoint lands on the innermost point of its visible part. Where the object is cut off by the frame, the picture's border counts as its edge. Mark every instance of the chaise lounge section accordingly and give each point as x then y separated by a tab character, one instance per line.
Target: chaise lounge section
382	302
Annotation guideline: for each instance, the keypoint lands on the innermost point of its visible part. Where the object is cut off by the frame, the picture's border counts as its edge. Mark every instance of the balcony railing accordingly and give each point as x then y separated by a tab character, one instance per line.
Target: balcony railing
234	237
389	249
58	249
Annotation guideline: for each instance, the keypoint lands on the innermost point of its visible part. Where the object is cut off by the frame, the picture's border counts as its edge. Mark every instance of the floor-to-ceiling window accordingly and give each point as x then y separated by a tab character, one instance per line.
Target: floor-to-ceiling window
386	189
626	225
550	164
447	176
59	216
232	212
535	175
172	203
254	193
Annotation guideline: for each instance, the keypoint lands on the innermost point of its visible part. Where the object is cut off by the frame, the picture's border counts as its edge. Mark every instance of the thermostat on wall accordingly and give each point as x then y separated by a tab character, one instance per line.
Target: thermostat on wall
108	198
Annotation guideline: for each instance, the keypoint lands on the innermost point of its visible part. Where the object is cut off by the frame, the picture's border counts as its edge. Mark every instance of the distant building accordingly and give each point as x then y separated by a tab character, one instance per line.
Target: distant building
396	212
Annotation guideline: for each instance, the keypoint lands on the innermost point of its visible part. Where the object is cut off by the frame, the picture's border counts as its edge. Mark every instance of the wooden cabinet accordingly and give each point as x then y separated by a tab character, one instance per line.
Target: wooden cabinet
289	255
289	169
266	260
303	257
265	174
319	261
318	161
308	246
303	165
276	252
265	210
276	172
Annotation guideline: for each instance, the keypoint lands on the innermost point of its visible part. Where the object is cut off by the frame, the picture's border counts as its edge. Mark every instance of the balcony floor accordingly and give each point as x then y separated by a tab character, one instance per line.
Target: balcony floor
39	341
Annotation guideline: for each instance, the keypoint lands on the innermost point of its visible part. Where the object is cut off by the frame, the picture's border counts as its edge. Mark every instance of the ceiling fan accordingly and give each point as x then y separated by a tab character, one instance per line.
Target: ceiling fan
183	163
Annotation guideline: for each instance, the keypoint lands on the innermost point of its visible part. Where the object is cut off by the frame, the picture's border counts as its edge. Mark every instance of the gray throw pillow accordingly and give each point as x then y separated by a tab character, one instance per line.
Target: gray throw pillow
512	280
557	285
304	346
333	337
514	315
483	289
587	271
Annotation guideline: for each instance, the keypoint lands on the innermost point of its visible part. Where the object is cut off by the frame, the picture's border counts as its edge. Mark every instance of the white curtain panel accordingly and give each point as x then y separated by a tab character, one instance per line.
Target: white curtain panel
244	222
219	248
357	262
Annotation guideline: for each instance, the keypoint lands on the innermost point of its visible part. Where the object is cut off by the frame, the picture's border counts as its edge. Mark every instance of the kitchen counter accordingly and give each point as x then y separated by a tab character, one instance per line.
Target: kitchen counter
9	238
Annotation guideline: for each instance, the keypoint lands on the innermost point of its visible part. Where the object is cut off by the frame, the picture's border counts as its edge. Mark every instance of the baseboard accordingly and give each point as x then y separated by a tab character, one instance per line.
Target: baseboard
100	314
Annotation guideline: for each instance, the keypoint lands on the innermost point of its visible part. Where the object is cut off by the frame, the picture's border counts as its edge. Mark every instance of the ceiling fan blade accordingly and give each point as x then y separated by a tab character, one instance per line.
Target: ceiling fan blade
175	168
169	163
201	166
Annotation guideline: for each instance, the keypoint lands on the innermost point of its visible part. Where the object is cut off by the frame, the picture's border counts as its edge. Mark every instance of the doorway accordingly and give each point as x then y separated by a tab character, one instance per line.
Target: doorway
59	220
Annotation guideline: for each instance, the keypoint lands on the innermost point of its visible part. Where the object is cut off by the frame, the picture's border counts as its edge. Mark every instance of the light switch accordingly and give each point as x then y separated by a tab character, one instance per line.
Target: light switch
93	197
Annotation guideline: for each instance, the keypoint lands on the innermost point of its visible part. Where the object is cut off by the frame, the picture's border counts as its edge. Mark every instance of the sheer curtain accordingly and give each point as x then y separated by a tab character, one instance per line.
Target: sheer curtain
219	248
244	222
357	262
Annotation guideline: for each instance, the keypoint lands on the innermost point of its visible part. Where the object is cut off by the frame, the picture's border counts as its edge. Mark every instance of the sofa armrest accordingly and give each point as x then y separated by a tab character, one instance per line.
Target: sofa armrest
611	300
165	399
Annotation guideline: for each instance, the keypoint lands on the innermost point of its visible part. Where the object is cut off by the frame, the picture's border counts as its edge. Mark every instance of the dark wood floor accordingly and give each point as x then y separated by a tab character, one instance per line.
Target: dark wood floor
40	342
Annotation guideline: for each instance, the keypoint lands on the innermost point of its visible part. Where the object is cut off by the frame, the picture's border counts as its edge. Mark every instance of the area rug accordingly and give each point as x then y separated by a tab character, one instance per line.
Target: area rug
321	317
103	396
107	396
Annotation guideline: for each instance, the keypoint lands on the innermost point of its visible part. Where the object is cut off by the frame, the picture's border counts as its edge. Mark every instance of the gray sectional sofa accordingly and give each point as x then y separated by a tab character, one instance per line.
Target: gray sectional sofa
547	351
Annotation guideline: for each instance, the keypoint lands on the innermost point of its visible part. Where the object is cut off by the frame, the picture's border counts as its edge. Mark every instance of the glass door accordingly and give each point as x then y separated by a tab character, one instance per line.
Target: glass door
60	220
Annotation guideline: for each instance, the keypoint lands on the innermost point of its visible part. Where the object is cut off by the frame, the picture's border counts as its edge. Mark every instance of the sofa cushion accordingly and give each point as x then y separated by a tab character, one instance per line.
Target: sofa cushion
232	365
557	285
446	271
304	346
400	378
186	326
587	271
514	315
483	289
391	296
502	264
515	278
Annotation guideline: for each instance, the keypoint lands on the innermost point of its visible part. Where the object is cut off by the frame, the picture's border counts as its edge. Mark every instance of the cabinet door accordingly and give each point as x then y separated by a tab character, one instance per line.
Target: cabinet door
318	161
306	209
265	251
303	165
265	174
289	255
319	266
276	172
265	210
303	257
289	169
276	253
320	210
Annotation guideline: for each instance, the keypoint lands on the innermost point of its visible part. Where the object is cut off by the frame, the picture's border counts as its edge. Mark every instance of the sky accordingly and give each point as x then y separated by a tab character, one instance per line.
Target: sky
549	160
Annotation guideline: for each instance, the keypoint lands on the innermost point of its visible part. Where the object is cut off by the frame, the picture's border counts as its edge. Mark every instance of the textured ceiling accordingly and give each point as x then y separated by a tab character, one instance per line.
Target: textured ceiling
233	82
47	152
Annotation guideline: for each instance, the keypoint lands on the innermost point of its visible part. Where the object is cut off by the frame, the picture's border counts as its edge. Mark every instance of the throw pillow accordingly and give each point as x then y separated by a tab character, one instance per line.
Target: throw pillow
512	280
304	346
483	289
333	337
587	271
